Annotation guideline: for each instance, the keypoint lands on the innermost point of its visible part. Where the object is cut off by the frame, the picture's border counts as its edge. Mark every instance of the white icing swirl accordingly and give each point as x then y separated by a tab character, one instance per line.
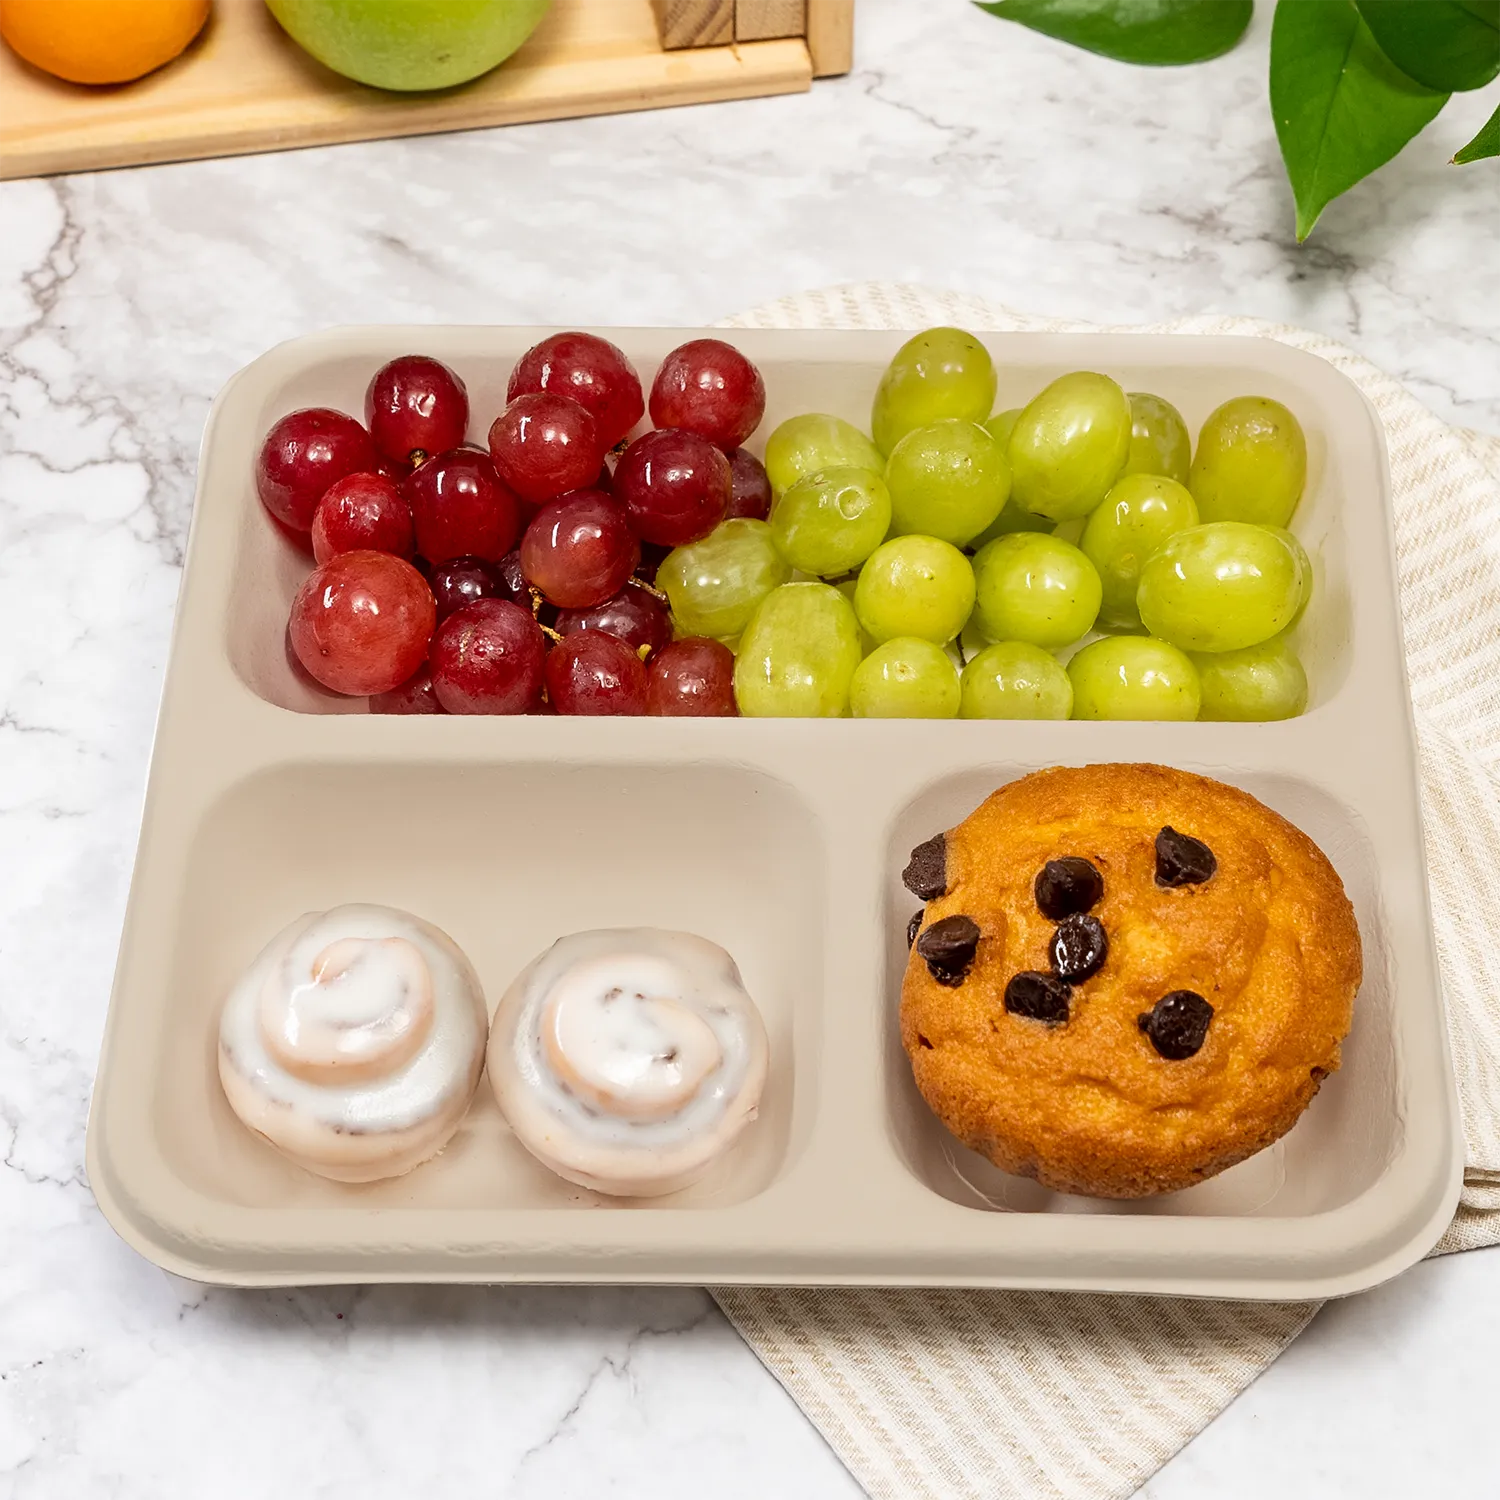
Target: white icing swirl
354	1042
363	1011
627	1060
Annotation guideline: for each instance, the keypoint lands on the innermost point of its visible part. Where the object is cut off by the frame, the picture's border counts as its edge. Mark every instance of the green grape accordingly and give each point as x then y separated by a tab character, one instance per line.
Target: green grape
1257	684
1013	680
1070	531
1002	424
1138	515
867	642
1159	442
1219	587
905	678
949	480
1035	588
1251	463
1133	677
1069	445
941	373
831	521
714	585
813	441
1304	565
1012	518
798	654
915	586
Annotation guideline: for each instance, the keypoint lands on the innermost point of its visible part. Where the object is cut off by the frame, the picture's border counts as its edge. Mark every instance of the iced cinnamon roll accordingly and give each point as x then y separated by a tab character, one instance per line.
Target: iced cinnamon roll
628	1060
354	1042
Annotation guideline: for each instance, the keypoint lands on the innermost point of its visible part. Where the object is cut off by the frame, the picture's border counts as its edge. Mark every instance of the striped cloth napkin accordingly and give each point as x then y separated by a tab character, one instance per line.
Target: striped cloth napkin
947	1395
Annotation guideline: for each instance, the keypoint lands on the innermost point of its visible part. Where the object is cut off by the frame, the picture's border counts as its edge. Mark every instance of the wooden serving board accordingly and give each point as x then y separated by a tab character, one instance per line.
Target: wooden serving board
244	86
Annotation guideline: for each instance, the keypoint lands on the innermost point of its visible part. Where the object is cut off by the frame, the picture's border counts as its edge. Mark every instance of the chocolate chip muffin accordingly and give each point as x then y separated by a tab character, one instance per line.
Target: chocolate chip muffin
1126	979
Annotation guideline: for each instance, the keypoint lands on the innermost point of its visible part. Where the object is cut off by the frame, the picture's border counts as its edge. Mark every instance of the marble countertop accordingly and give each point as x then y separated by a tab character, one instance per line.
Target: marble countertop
959	153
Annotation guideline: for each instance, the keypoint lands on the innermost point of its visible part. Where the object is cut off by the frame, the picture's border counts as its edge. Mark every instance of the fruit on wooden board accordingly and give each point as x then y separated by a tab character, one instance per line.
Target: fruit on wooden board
409	45
100	41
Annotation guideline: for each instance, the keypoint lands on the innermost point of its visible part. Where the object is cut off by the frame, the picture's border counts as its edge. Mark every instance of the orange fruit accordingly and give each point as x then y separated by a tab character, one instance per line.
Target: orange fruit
100	41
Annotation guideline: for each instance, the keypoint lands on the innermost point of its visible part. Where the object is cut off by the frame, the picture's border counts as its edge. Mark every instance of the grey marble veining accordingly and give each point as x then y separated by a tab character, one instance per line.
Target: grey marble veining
960	153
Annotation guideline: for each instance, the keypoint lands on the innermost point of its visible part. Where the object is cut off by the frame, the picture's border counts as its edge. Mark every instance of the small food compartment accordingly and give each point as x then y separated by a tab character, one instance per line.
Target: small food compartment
1334	1154
505	859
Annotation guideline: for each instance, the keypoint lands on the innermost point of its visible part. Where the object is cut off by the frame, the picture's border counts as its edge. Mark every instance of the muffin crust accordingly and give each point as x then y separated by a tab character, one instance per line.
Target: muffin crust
1089	1105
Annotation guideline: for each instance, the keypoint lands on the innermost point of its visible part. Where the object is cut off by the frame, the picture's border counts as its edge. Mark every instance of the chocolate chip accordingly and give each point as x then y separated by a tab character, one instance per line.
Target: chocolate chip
1039	997
1181	860
1177	1024
926	875
1079	947
1064	886
949	947
913	927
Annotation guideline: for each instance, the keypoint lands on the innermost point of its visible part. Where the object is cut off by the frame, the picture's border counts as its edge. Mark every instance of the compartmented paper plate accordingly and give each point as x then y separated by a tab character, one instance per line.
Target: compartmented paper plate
782	840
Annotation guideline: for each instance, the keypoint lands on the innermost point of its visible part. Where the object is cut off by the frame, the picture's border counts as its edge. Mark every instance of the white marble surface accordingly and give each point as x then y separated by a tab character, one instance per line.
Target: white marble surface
960	153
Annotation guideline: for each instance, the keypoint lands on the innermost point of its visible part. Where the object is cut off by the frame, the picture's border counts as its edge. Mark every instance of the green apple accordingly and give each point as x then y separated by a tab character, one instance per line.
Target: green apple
409	44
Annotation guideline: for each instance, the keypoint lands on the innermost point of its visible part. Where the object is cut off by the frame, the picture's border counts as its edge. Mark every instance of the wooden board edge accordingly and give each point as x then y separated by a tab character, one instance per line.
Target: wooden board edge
748	70
830	36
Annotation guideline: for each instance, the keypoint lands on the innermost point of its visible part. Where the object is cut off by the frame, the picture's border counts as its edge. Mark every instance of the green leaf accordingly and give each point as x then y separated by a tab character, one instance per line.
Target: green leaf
1161	33
1486	143
1448	45
1341	107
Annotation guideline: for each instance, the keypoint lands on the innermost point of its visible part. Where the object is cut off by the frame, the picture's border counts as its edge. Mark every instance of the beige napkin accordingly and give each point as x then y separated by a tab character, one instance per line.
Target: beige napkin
946	1395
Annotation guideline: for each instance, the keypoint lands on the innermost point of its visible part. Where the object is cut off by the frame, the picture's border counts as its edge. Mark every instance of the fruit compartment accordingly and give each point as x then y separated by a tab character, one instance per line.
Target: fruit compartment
1358	1124
804	370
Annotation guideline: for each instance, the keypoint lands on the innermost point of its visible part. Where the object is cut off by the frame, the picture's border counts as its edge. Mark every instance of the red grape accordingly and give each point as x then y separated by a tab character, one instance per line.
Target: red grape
462	580
416	405
579	550
414	696
361	622
708	387
749	488
302	455
487	658
592	672
461	508
635	614
514	586
589	369
692	678
362	513
675	485
545	445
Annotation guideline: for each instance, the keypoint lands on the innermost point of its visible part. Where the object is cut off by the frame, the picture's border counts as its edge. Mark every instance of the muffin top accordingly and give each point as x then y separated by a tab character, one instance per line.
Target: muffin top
1170	1012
